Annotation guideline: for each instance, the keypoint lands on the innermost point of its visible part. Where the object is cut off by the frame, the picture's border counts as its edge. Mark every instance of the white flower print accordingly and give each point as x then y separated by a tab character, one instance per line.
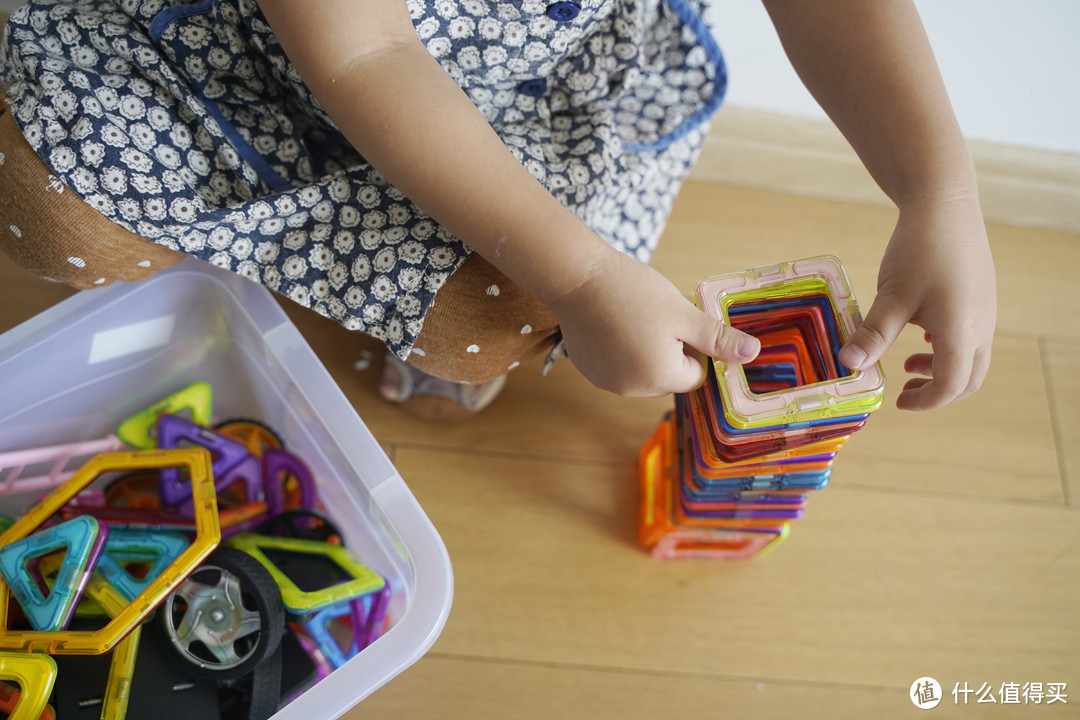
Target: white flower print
136	160
84	56
446	8
66	104
355	297
129	209
439	46
219	58
114	179
155	208
393	330
409	278
100	202
338	275
461	27
295	239
145	184
294	267
220	238
54	133
241	248
92	107
374	219
300	294
408	305
285	205
361	268
83	181
272	226
132	107
267	252
221	260
159	118
320	289
249	270
193	240
199	162
344	242
495	55
260	210
383	288
167	156
385	259
180	136
143	136
183	210
62	159
172	180
411	252
348	216
423	229
308	196
288	149
323	212
514	34
441	257
507	11
427	28
320	257
272	277
368	196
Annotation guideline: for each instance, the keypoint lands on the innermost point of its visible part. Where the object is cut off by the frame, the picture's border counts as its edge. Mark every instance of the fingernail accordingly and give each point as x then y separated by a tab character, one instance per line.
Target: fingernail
748	347
853	356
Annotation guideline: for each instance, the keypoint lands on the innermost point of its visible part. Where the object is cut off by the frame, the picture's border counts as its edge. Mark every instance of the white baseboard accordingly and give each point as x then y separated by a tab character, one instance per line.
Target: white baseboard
1017	186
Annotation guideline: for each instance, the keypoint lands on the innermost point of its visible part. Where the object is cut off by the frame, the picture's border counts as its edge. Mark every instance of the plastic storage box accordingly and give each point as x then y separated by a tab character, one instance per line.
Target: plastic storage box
73	372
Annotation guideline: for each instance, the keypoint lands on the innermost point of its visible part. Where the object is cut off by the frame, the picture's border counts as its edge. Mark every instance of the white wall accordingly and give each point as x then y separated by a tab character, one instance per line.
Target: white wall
1012	67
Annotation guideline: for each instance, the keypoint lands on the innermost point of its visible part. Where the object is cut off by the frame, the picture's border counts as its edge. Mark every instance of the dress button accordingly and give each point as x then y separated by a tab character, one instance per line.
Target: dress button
533	88
563	11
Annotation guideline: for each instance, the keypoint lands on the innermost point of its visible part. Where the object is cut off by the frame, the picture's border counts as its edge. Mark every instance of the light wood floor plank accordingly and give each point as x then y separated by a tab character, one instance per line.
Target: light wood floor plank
472	689
873	588
1063	366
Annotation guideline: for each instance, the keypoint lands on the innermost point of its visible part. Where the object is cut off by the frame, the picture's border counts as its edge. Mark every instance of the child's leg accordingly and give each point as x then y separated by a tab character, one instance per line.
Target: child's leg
52	233
480	327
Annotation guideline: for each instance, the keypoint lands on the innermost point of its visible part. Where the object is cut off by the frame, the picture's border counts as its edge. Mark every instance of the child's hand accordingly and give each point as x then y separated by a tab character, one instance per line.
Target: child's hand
628	330
938	274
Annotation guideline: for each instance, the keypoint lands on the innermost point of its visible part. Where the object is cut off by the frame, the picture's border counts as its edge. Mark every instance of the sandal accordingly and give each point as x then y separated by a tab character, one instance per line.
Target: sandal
431	398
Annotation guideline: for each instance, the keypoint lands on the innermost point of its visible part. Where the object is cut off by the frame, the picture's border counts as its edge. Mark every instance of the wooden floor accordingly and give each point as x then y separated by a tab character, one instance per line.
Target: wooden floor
946	545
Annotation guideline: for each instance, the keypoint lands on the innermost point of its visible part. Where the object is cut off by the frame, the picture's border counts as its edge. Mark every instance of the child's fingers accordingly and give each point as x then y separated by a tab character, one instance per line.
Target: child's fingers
882	325
952	375
711	337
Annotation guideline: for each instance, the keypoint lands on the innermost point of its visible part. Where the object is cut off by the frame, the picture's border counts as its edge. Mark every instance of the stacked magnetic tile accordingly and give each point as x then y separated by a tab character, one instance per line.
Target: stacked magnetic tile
725	474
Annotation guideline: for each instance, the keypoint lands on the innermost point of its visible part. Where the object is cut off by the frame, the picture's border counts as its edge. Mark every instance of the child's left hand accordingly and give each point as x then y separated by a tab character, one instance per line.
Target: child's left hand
936	273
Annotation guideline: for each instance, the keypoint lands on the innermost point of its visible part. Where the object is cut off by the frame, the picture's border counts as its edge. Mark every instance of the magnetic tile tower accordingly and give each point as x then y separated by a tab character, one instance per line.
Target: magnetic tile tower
728	470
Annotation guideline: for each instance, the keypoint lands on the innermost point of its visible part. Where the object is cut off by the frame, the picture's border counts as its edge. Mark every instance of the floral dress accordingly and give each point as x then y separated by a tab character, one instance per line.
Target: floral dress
186	124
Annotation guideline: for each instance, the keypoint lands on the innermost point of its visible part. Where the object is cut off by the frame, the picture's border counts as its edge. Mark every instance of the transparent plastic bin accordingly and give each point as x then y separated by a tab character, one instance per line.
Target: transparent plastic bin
74	371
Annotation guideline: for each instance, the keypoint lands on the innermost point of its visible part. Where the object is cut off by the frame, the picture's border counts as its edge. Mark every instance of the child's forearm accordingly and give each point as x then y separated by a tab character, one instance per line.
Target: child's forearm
870	66
413	123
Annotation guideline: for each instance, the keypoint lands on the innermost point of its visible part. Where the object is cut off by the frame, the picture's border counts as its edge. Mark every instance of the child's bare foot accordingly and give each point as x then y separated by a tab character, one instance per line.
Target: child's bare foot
430	398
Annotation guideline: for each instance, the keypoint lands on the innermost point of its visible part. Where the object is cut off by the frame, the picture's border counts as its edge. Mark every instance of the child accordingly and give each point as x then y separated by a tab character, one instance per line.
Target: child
468	181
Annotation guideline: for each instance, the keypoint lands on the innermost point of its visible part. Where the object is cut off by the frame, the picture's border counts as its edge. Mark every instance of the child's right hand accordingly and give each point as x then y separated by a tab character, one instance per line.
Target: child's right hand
628	330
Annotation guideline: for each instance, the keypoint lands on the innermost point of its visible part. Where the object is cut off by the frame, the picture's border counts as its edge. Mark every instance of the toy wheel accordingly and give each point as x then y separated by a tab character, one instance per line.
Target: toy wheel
303	524
226	618
257	437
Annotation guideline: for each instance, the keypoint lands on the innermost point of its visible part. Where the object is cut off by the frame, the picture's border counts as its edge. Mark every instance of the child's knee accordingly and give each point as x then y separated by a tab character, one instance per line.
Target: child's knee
482	326
50	232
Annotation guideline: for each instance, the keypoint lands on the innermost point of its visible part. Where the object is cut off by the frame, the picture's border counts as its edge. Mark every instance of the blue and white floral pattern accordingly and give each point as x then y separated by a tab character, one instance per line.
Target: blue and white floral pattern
186	123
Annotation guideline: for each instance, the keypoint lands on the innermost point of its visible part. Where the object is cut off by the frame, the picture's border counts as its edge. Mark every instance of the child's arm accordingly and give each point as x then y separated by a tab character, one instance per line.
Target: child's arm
626	328
870	66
